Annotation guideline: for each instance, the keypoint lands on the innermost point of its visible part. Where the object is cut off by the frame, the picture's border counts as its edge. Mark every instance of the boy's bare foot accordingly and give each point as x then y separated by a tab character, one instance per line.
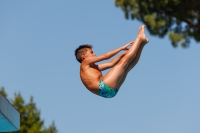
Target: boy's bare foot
142	35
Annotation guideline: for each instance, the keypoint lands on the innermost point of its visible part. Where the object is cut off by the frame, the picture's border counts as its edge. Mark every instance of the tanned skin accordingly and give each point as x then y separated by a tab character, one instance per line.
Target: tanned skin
90	73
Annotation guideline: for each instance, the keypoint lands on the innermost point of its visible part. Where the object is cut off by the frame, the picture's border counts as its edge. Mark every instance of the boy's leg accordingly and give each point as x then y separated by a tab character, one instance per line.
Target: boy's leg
131	65
114	76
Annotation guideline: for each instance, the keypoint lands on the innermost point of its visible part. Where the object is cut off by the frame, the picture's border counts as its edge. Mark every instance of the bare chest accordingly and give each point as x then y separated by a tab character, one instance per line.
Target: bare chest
90	72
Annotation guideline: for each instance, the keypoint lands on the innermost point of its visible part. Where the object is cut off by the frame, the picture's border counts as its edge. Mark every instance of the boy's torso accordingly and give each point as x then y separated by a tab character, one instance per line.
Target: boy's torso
90	76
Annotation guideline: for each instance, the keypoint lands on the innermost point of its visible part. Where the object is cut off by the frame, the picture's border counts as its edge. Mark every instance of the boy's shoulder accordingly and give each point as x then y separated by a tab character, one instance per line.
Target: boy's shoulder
86	65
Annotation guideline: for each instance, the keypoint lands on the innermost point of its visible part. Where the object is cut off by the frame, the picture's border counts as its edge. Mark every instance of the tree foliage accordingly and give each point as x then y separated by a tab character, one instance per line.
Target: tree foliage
30	121
180	19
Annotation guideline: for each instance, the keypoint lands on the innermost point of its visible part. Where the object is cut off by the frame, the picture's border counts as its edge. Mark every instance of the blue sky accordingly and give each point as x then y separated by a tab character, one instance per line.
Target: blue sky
37	43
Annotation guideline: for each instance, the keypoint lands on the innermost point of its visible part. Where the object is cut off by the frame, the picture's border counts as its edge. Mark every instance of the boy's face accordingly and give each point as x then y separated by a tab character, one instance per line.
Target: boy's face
89	53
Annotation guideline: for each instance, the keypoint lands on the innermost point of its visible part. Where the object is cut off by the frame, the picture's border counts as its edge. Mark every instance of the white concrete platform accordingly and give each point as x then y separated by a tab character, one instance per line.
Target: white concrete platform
9	116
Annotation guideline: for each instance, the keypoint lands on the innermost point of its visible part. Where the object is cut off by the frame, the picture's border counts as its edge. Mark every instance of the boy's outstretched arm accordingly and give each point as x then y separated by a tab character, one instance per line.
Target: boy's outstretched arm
106	56
110	64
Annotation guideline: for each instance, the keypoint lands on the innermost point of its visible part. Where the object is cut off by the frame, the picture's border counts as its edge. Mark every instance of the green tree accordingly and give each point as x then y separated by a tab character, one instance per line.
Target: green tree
30	121
180	19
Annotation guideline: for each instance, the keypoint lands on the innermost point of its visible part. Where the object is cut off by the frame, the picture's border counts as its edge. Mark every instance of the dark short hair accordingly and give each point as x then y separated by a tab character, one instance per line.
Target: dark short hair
81	50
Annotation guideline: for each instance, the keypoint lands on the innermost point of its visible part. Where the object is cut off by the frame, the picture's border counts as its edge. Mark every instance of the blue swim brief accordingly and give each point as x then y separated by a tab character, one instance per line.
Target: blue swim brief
106	91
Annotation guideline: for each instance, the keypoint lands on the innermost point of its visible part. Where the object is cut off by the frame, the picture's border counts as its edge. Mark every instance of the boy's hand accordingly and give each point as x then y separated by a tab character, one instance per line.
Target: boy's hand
125	47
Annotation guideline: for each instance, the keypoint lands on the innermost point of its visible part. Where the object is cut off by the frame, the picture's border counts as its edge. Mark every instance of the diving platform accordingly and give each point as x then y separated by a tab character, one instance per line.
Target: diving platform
9	116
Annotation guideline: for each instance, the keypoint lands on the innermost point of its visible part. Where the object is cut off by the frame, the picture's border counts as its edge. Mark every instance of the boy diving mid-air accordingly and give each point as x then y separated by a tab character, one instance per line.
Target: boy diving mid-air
107	86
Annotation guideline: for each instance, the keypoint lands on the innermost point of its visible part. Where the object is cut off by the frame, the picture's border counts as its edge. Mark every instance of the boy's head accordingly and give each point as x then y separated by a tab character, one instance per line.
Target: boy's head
83	51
